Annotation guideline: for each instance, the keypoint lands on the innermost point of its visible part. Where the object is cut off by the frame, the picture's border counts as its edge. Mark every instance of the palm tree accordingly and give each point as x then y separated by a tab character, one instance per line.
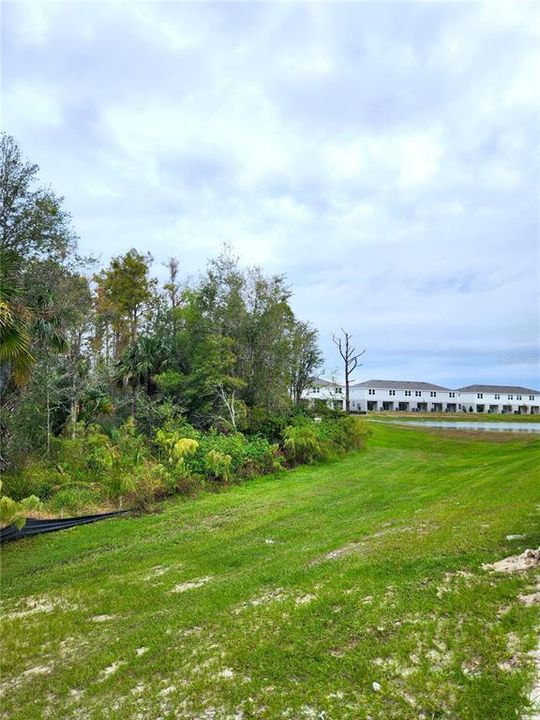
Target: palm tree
138	365
16	360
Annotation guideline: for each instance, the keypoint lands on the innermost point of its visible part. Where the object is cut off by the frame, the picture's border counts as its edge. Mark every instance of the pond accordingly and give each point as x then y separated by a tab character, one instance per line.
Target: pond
496	426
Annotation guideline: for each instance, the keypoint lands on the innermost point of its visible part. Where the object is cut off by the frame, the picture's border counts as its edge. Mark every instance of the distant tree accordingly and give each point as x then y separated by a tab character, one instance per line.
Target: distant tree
350	356
32	220
33	226
305	358
123	291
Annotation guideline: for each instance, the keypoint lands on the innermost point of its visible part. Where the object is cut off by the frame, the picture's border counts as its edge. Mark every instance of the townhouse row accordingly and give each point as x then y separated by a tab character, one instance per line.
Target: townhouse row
406	396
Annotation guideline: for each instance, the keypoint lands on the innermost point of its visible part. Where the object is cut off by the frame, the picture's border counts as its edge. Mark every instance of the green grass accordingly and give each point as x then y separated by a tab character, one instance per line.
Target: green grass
305	589
454	417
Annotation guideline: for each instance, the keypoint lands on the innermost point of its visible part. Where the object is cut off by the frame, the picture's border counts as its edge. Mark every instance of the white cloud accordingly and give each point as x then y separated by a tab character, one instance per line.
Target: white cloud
384	161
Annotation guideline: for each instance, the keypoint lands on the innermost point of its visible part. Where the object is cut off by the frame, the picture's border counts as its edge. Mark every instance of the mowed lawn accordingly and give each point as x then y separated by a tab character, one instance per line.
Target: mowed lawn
289	597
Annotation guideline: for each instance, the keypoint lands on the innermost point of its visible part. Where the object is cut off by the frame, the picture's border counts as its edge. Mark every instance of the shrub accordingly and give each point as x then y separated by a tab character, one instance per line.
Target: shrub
77	500
34	478
218	465
260	457
148	485
301	443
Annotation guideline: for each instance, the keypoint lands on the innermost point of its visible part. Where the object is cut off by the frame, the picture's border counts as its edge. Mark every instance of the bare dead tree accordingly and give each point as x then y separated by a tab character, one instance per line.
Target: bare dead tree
350	357
229	404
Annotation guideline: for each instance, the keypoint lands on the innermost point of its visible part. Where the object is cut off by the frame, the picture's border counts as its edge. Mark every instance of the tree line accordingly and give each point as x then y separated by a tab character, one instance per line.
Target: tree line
82	343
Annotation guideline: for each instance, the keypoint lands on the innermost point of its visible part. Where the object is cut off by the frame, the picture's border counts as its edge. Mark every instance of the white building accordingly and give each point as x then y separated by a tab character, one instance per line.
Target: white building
376	395
328	391
500	399
406	396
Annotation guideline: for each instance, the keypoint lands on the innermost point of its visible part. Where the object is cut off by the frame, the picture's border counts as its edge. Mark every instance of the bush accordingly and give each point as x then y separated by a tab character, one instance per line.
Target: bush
149	483
218	465
92	469
322	438
34	478
301	443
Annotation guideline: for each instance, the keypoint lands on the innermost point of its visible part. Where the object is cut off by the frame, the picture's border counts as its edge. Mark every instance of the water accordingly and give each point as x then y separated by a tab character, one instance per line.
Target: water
497	426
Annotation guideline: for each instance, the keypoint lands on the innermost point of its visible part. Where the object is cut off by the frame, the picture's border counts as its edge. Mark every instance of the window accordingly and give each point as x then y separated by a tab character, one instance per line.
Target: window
418	393
452	394
497	396
531	397
433	394
391	392
510	397
479	395
371	392
518	397
407	393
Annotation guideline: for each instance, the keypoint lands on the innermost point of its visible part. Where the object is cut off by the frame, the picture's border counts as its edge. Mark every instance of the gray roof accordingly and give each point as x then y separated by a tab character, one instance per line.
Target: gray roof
321	382
400	385
499	389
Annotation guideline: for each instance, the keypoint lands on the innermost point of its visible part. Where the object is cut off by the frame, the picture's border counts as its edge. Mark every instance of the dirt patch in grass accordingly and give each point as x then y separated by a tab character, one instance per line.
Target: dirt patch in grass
191	584
516	563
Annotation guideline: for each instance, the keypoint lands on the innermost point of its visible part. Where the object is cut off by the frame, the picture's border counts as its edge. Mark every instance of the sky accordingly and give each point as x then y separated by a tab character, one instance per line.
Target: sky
384	156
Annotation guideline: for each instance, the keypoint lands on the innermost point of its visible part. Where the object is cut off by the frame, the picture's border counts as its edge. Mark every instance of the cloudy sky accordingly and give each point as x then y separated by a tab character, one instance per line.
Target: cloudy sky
383	155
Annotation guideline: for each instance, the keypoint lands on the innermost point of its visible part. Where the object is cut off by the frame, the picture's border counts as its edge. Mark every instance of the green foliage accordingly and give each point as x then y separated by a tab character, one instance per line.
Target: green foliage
218	465
175	445
91	468
12	511
301	443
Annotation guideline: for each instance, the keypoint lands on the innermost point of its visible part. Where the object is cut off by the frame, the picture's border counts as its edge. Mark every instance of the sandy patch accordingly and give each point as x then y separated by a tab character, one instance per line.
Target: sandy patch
534	696
141	651
191	584
37	605
270	596
111	669
102	618
516	563
530	600
348	549
155	572
451	579
304	599
186	632
26	675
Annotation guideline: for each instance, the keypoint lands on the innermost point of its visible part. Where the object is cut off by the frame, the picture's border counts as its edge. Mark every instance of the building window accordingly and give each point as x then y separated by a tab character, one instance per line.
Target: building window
407	393
510	397
451	394
418	393
433	394
497	396
371	392
518	397
479	395
391	392
531	397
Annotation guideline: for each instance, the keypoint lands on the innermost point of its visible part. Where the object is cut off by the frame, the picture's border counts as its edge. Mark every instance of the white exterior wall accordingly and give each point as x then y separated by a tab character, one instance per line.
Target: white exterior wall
501	402
422	400
441	401
333	394
391	398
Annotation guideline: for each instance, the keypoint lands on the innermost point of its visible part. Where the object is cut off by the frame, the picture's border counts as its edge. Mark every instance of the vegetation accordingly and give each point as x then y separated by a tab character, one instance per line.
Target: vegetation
291	595
454	417
91	469
84	349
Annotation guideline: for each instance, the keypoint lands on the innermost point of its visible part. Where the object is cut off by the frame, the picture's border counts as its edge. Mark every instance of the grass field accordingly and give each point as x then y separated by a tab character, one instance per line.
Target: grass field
454	417
290	596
